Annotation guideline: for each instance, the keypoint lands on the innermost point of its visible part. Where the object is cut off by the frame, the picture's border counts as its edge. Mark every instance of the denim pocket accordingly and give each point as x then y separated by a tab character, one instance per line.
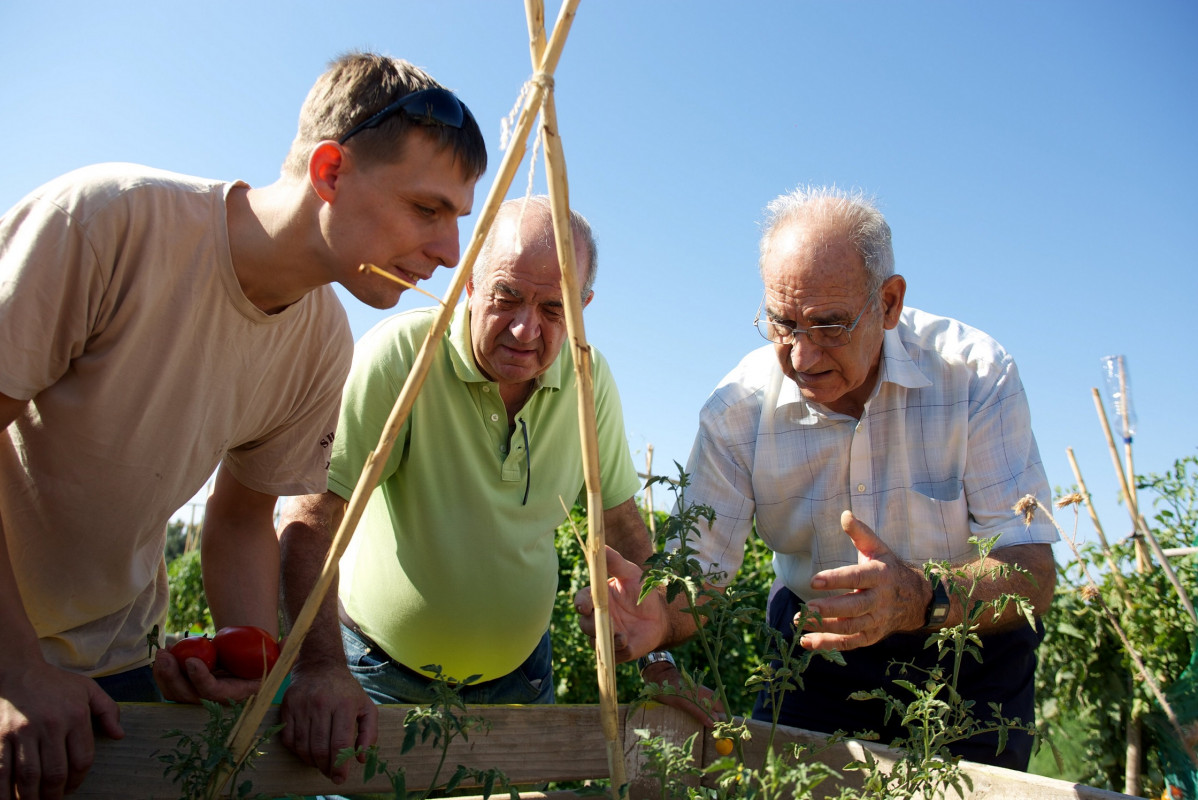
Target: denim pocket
362	658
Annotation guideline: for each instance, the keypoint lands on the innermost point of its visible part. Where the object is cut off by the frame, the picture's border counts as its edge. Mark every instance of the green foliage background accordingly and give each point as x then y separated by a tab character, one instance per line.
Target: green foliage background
1084	684
574	660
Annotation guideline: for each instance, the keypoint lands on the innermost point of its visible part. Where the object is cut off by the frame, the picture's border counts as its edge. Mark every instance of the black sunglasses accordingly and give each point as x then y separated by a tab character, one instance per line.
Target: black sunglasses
436	105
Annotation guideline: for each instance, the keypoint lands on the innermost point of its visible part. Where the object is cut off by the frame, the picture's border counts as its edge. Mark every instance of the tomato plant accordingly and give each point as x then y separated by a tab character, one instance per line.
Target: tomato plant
246	651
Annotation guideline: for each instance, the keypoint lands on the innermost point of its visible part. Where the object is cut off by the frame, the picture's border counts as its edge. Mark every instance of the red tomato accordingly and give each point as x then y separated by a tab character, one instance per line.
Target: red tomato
200	647
246	651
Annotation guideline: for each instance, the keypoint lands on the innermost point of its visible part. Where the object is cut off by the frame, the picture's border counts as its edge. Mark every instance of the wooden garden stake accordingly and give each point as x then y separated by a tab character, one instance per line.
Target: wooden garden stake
241	738
559	199
1137	519
1106	548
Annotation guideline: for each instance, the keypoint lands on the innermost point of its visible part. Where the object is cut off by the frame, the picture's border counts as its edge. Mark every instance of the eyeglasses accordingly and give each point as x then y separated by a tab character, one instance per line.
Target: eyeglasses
431	105
819	335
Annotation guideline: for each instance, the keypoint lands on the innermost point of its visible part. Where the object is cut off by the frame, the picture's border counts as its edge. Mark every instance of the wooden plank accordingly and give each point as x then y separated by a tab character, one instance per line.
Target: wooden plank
531	744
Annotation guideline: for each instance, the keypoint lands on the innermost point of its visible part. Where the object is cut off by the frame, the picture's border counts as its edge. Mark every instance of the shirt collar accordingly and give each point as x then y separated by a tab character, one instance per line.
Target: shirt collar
461	353
897	367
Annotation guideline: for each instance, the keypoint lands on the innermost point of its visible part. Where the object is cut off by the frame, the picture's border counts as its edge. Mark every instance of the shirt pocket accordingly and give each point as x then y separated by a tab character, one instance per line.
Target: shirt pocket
937	521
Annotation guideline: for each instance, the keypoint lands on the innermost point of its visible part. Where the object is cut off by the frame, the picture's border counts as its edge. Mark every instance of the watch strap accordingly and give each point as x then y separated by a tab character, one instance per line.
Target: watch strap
939	605
654	657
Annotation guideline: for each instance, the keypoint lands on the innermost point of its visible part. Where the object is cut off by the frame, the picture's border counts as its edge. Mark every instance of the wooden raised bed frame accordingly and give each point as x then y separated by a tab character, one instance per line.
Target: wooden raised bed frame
531	744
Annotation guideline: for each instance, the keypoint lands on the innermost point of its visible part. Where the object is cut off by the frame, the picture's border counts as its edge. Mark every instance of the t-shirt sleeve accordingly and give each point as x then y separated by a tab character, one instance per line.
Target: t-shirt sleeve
51	292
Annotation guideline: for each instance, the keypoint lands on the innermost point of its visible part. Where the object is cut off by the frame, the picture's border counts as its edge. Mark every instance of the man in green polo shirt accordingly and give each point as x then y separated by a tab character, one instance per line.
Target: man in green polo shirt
453	563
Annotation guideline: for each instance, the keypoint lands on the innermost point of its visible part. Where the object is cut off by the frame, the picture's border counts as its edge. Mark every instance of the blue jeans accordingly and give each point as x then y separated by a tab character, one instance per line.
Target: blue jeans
387	681
131	686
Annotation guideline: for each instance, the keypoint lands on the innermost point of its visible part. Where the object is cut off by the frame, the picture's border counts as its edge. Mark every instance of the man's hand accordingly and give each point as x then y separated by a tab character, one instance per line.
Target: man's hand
636	628
193	682
325	711
885	595
46	739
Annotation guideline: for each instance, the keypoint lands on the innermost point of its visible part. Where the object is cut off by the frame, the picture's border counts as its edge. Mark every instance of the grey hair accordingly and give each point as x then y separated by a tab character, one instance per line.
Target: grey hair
579	226
858	214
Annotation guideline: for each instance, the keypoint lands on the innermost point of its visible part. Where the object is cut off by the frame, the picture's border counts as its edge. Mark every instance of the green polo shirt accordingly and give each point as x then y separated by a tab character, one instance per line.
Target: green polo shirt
449	564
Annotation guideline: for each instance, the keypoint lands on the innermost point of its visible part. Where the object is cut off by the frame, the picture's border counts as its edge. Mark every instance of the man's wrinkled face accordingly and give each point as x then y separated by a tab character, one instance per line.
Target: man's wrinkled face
814	276
517	317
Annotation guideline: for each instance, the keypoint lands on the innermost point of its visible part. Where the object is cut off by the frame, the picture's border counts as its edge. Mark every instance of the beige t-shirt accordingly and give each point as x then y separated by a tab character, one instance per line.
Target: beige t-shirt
122	319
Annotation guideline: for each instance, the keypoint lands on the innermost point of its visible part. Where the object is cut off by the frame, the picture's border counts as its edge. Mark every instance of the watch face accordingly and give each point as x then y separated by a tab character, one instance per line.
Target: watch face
939	605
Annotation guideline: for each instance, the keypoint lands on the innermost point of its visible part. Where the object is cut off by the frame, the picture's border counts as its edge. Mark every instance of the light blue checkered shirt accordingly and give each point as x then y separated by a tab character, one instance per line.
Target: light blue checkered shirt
942	452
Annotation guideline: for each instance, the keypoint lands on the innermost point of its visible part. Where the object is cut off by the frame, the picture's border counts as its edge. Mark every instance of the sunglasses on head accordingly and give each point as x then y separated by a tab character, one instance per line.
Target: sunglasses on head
436	105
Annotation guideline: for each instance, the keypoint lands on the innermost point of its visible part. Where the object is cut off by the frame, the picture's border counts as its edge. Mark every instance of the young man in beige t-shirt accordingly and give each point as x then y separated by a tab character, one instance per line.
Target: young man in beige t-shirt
156	325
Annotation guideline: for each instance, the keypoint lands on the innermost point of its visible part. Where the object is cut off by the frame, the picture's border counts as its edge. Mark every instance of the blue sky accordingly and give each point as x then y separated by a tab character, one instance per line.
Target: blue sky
1036	162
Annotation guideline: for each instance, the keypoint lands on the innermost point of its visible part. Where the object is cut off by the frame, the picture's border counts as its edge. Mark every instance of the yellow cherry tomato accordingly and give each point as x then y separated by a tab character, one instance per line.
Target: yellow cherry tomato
723	747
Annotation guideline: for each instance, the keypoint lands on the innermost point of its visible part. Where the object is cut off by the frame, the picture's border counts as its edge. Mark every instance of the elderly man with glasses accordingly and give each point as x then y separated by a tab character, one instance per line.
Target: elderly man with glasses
865	440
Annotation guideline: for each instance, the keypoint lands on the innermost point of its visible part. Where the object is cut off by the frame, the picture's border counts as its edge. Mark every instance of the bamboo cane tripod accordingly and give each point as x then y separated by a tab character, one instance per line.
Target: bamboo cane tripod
539	99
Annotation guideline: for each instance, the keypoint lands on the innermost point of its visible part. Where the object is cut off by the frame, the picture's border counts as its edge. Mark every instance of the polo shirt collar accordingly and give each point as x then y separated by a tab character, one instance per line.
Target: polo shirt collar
461	353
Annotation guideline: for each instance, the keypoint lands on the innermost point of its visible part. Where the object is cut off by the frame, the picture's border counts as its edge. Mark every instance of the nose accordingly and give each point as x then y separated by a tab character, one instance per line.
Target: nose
445	248
803	354
525	325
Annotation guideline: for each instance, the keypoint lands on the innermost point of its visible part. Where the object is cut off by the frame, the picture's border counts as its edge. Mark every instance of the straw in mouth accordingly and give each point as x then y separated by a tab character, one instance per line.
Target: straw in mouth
397	279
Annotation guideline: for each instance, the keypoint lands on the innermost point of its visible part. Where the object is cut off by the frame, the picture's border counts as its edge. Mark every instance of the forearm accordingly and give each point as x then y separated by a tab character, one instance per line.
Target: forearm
1030	572
241	575
305	535
626	532
240	556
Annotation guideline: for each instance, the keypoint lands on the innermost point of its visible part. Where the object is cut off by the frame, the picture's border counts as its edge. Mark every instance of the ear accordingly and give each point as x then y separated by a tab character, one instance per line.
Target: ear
589	298
324	169
894	289
470	286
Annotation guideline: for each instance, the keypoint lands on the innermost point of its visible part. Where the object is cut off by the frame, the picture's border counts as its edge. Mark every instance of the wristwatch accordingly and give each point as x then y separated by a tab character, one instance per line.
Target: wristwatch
939	605
644	661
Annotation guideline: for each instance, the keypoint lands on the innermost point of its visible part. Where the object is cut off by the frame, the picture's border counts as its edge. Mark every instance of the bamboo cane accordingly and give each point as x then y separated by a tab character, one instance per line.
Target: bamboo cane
559	199
1137	519
1106	548
534	13
596	536
1118	464
241	738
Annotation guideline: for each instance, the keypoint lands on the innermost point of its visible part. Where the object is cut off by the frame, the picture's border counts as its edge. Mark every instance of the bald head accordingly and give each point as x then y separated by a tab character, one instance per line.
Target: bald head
528	222
820	216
